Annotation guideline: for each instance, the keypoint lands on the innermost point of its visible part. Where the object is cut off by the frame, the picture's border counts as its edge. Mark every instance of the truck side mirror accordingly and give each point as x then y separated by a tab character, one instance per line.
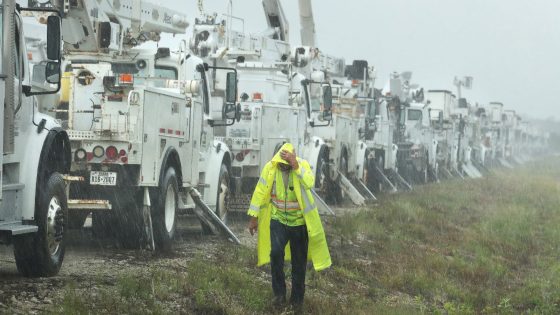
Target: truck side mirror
327	98
231	110
231	88
327	103
53	37
52	72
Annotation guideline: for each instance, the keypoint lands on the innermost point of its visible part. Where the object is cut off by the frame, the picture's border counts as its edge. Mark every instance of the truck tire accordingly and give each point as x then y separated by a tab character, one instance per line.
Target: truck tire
128	222
41	254
224	188
123	224
320	180
164	214
373	182
343	168
224	184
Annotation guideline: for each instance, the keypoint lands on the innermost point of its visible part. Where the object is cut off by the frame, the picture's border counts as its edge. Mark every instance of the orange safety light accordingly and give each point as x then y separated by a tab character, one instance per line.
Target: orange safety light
257	96
126	78
29	56
355	82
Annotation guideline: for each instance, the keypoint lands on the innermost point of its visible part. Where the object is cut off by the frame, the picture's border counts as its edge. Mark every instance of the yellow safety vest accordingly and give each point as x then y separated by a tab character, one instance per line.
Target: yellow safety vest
318	251
285	207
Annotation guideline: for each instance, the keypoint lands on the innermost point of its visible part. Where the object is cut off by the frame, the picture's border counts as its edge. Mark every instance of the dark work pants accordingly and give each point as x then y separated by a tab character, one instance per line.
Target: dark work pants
280	234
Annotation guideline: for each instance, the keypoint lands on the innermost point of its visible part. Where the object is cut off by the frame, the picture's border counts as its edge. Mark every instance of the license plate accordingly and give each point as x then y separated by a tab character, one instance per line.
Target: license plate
103	178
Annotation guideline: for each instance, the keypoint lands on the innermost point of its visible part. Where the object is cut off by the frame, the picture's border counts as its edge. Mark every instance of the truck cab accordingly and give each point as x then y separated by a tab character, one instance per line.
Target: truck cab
35	150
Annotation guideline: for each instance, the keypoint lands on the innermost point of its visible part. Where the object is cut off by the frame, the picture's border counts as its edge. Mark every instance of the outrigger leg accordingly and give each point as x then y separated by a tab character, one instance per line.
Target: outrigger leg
209	218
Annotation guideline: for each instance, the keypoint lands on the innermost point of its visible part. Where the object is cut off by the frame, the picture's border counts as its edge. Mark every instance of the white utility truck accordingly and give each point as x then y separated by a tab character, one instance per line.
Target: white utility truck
268	118
413	133
140	122
35	150
380	127
334	107
441	104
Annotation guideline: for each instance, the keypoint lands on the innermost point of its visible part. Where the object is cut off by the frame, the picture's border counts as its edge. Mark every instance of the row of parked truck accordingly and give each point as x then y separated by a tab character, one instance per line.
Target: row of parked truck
98	124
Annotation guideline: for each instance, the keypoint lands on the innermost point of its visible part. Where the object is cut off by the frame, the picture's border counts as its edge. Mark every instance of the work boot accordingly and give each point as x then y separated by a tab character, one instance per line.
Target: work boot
297	308
279	301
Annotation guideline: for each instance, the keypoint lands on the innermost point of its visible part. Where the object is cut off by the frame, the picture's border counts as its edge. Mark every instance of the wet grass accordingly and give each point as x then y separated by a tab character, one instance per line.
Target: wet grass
490	246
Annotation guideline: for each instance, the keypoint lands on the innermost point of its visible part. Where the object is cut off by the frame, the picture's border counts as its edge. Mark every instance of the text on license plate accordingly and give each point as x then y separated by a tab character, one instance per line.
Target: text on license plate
103	178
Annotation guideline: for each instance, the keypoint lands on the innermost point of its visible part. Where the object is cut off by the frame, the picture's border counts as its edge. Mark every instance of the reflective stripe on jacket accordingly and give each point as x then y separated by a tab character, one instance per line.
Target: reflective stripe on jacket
261	207
285	207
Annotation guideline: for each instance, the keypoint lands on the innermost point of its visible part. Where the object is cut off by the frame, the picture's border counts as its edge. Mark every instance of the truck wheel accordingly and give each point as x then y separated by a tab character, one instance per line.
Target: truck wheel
41	254
165	215
222	198
127	222
320	177
343	168
223	194
375	183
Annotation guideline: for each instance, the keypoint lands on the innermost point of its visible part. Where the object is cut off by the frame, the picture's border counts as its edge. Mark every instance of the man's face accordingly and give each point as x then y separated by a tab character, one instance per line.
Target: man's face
284	167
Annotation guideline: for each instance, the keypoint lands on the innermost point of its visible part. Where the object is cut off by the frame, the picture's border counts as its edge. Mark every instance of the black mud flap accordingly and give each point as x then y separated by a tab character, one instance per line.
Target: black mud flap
210	219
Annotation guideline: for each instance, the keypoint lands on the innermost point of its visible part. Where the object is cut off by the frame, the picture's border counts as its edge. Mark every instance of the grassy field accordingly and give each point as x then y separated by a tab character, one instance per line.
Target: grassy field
488	246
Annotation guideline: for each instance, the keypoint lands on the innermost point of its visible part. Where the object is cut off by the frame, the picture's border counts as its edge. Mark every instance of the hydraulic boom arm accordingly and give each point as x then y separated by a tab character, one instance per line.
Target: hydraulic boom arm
276	18
307	23
103	25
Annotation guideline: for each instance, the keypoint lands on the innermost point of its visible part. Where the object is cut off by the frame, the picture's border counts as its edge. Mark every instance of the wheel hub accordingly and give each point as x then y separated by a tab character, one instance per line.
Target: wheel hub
55	225
223	199
170	208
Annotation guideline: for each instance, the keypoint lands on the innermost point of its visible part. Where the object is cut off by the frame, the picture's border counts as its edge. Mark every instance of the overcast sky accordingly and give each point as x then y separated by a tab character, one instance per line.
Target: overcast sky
510	47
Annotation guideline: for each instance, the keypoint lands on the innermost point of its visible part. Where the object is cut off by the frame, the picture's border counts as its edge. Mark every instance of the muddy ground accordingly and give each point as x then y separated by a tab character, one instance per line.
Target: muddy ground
90	263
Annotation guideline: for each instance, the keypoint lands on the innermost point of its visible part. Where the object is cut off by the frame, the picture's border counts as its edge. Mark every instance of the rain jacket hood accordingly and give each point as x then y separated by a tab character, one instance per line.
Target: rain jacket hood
278	159
261	207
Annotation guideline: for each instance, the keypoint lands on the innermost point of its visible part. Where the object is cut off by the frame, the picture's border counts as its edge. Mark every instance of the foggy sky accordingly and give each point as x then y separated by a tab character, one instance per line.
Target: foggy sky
510	47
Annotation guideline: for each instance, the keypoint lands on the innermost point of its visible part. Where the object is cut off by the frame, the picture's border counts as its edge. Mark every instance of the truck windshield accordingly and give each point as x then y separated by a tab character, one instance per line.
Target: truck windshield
315	97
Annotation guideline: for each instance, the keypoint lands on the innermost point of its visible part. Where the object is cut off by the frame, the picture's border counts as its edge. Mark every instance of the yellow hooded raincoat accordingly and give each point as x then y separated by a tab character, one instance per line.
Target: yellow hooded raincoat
261	207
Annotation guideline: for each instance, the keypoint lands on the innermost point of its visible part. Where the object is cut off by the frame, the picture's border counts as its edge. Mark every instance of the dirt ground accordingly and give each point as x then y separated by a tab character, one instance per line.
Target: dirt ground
90	263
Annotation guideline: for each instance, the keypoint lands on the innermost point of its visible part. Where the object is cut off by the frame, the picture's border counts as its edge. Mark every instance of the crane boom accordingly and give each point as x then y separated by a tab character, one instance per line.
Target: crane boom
101	26
276	19
307	23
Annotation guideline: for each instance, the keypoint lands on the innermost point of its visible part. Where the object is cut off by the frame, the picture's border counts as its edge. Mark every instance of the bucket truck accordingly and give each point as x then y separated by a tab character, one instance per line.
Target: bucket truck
334	104
465	125
35	149
442	104
497	130
510	125
141	123
413	135
268	117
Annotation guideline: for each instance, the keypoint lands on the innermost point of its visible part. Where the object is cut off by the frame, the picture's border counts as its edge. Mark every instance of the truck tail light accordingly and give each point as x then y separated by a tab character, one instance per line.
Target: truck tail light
80	155
112	153
240	157
98	151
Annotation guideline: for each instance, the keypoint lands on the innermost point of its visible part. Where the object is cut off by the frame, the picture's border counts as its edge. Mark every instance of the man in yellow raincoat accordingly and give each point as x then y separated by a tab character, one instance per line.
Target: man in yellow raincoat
283	210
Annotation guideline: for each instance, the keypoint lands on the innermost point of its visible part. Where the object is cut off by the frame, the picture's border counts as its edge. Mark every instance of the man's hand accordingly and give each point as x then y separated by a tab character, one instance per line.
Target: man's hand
253	225
290	158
